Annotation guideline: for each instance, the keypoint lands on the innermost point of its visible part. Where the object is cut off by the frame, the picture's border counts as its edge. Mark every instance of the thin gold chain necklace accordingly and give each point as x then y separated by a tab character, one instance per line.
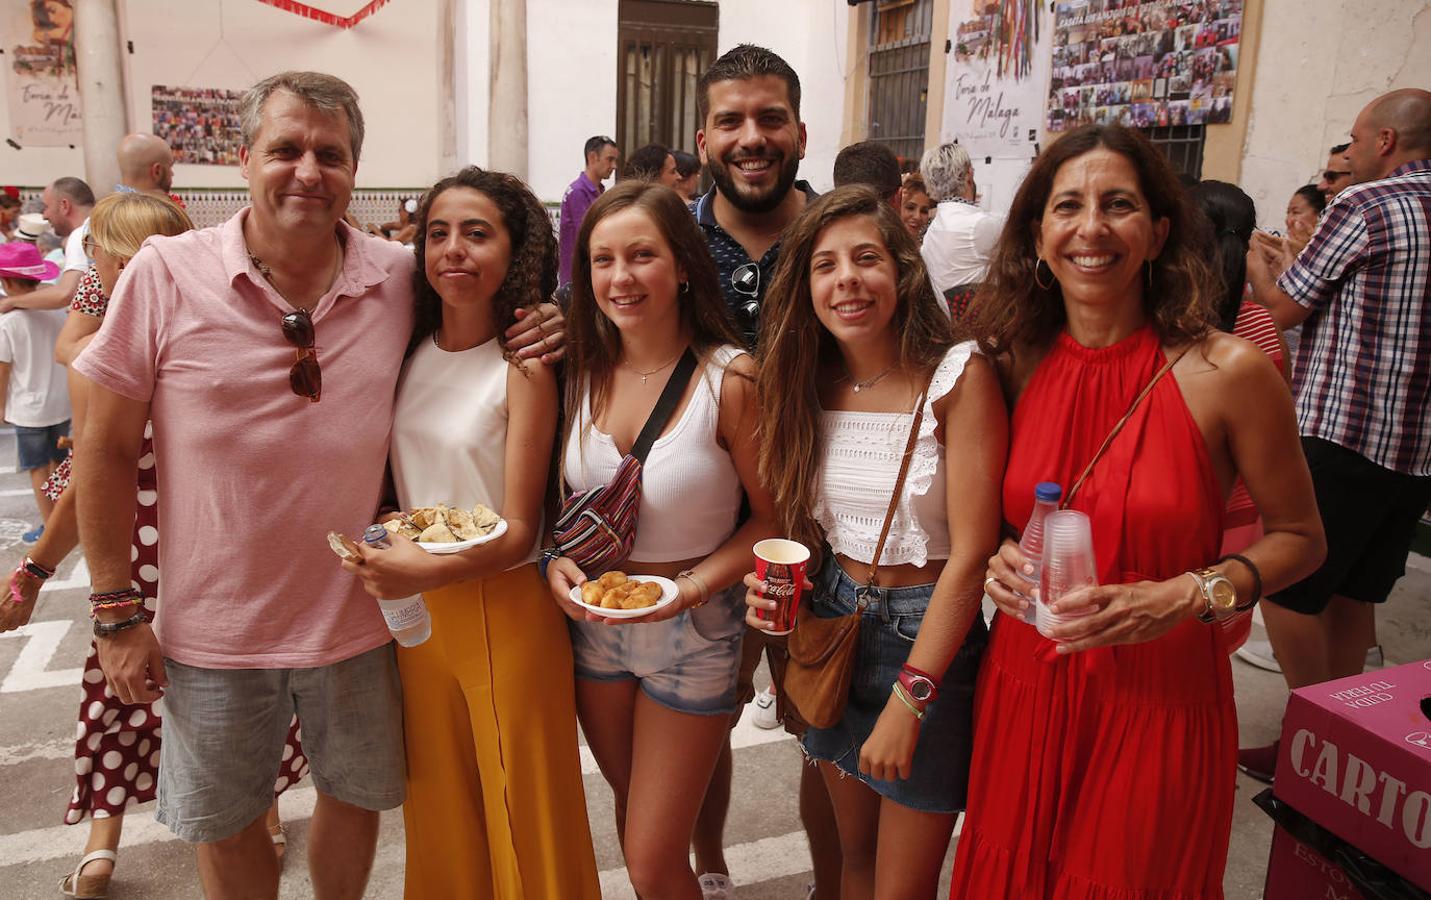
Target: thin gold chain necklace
645	375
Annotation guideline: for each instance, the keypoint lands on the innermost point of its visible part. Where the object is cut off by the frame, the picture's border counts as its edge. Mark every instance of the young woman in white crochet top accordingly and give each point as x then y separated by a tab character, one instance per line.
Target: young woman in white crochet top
851	335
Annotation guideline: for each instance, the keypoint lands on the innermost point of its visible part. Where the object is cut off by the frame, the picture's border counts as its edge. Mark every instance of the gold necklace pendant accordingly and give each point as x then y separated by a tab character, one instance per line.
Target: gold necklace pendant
868	382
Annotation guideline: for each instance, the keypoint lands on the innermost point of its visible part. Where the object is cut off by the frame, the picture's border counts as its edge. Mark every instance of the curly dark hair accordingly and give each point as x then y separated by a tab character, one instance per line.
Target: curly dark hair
793	343
532	272
593	343
1011	313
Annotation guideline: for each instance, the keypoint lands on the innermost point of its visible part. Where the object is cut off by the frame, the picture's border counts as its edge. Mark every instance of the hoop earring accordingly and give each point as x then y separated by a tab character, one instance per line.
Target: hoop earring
1148	264
1051	279
685	287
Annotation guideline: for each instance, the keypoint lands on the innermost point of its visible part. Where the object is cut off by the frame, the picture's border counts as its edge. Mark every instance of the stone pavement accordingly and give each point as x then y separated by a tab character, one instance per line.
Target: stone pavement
39	694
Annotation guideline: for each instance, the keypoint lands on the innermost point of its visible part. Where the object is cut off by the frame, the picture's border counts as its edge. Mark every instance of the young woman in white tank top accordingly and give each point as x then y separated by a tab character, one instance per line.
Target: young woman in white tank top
495	808
851	333
655	694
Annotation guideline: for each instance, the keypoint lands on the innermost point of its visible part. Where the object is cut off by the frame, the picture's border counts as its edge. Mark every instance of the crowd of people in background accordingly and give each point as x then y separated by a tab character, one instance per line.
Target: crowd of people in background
889	374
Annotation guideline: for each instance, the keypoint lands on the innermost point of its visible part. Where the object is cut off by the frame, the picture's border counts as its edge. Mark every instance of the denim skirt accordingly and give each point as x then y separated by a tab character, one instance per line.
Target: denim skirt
939	775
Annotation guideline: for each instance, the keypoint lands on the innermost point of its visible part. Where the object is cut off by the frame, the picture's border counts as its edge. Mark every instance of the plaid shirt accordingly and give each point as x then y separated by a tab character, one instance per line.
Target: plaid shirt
1363	377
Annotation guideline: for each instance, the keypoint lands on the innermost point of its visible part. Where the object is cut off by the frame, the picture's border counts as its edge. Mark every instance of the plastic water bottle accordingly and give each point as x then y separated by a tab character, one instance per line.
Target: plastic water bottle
1046	497
407	618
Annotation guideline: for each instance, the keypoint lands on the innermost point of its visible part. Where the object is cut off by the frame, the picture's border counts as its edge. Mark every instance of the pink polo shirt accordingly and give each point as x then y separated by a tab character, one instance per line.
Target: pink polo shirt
252	477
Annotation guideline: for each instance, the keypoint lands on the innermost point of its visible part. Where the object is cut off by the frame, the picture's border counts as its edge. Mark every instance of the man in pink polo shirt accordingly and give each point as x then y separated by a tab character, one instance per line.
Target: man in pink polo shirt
265	351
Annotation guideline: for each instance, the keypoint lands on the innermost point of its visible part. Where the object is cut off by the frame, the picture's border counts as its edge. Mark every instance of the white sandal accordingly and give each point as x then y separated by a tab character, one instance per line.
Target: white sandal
88	887
280	840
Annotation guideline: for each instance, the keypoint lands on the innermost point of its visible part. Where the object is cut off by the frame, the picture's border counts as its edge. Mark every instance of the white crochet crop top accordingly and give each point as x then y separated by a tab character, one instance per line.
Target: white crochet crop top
862	452
690	490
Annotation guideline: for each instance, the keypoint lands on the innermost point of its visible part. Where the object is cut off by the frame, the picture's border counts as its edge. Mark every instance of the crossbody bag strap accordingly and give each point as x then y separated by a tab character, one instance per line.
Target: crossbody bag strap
1117	427
665	406
899	482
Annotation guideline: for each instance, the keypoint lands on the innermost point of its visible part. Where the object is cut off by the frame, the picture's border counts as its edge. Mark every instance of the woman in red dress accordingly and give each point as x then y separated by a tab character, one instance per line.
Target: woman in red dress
1105	756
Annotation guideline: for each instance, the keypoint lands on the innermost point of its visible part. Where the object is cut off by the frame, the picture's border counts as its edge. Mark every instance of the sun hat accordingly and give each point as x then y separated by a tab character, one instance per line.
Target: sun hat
30	226
20	259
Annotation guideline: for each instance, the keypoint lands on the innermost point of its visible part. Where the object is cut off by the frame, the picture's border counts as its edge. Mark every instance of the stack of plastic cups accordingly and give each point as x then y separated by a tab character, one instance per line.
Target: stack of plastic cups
1068	563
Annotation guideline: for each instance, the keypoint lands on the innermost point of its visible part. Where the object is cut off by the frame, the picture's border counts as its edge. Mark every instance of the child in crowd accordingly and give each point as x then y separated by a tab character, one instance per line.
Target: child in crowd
32	385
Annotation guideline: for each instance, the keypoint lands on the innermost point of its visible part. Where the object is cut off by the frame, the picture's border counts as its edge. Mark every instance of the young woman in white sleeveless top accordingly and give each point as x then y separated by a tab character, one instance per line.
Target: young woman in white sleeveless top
655	694
495	806
851	334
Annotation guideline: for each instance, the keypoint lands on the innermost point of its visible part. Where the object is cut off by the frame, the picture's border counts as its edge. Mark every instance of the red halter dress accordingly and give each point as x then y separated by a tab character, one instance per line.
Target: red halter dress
1107	773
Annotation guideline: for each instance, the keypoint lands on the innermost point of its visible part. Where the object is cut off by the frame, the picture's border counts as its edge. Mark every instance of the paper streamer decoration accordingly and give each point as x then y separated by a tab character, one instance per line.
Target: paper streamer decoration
327	18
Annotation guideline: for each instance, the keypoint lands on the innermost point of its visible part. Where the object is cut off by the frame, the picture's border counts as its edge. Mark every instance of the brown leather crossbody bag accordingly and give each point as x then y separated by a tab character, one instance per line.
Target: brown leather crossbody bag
822	650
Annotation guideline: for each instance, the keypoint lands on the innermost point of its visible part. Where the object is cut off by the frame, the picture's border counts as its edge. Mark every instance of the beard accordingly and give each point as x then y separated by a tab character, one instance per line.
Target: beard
745	200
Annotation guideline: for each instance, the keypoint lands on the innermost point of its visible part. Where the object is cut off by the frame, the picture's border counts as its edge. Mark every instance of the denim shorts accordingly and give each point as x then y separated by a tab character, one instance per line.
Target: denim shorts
37	448
939	775
225	729
688	663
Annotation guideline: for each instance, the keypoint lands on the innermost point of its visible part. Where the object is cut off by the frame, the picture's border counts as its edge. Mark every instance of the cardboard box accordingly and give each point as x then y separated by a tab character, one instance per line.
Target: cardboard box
1355	758
1295	871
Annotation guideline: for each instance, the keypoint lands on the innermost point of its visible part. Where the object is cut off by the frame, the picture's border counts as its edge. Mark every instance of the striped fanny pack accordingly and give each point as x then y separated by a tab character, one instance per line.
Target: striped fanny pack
596	528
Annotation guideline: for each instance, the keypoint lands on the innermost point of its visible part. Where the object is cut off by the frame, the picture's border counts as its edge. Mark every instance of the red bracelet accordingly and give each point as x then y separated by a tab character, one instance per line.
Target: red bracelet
913	671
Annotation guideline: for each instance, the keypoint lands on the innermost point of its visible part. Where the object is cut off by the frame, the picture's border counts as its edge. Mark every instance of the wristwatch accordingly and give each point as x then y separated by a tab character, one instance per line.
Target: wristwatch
1219	595
920	688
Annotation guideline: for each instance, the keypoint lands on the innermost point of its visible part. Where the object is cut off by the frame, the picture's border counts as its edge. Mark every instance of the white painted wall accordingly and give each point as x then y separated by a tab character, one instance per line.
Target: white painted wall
811	36
390	59
571	87
1319	62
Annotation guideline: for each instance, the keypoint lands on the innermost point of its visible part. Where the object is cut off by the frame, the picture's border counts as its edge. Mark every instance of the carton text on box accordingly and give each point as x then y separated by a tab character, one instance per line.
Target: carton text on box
1355	758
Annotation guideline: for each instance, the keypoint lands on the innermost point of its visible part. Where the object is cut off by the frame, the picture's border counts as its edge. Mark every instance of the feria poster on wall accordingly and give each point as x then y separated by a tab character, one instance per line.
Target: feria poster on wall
996	79
1143	64
43	95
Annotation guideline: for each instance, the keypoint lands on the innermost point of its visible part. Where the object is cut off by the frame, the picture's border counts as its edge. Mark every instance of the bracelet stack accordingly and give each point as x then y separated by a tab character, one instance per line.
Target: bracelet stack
35	570
1243	606
115	600
909	703
106	629
29	569
700	584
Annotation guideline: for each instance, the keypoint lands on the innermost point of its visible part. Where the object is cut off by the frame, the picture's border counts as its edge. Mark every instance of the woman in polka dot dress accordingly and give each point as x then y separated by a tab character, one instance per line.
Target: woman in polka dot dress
117	745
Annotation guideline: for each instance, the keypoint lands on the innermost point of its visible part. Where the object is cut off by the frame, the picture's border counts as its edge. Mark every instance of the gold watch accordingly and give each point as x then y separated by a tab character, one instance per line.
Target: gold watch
1219	595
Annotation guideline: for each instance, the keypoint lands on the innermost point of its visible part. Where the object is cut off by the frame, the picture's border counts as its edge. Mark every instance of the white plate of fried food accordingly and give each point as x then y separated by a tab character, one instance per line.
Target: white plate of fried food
616	595
448	529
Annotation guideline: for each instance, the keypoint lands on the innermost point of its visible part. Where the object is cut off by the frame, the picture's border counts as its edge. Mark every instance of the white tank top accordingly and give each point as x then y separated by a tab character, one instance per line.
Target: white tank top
690	491
862	452
449	442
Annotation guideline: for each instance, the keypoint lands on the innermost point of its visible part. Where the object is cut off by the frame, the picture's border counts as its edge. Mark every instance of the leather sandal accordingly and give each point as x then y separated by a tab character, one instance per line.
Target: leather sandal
88	887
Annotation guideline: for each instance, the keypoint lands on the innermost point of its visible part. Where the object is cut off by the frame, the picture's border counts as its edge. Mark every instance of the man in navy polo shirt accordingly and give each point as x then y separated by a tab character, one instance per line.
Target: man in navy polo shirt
752	140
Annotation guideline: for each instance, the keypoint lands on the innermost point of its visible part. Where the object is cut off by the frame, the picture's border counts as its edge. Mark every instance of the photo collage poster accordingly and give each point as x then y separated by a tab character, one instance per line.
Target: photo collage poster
1143	65
201	125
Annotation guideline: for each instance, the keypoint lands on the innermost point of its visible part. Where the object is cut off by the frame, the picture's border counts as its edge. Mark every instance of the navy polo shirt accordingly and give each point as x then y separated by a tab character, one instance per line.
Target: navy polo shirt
744	294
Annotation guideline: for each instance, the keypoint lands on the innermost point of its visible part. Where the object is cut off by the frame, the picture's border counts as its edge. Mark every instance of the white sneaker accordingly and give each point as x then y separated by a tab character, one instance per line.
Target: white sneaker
764	714
810	891
715	886
1259	654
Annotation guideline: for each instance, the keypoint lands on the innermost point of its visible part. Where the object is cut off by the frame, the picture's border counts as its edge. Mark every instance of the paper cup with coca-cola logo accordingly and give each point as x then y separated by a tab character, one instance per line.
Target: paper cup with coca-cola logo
780	563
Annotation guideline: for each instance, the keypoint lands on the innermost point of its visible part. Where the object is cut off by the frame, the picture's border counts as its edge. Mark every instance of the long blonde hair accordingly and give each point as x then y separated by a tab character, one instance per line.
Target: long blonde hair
121	222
